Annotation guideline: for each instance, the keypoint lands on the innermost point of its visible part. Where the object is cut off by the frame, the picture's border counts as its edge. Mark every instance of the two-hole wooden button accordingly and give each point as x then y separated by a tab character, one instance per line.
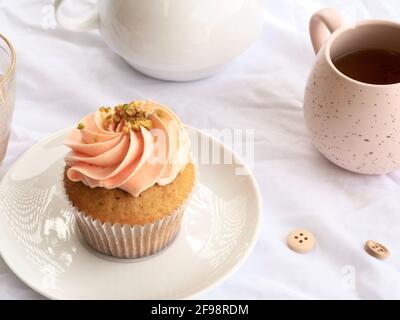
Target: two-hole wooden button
377	250
301	241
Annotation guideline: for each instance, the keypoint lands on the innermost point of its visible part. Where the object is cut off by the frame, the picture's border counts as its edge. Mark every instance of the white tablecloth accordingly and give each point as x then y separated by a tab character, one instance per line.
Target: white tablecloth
63	75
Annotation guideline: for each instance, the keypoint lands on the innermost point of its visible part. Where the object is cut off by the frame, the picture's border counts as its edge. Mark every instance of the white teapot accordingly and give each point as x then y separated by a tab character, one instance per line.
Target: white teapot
177	40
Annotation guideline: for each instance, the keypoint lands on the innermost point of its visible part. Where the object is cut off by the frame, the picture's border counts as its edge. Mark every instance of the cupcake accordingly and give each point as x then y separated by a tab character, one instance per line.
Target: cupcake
128	177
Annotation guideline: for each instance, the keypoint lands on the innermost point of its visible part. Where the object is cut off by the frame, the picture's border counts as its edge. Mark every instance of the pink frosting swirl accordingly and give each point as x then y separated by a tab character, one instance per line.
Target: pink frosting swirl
110	157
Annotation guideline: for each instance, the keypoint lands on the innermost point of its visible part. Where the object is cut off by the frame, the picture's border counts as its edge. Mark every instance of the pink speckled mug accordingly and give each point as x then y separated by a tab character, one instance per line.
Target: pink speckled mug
354	124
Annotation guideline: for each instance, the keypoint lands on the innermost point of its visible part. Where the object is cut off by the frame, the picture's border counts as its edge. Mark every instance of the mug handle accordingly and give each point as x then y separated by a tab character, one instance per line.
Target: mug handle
75	24
322	24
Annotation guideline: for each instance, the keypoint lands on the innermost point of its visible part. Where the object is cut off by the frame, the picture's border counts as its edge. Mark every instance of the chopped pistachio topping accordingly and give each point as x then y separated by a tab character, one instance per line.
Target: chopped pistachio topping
81	126
133	116
117	118
160	113
105	109
146	123
125	130
137	104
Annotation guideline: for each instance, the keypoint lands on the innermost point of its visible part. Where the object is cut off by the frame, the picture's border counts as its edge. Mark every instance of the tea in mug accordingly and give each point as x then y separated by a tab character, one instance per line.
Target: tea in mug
373	66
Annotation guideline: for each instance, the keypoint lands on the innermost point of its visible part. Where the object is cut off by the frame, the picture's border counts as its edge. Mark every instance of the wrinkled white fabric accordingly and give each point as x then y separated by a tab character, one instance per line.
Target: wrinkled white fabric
63	76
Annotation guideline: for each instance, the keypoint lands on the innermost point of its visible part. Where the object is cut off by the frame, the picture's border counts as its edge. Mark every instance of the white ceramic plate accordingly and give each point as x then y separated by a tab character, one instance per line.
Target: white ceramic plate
41	243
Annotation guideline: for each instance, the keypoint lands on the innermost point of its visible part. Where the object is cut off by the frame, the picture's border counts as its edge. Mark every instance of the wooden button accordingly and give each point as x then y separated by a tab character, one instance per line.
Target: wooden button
377	250
301	241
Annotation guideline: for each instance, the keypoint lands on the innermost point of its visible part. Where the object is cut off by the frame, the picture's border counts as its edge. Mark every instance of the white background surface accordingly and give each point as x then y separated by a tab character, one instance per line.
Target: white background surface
63	76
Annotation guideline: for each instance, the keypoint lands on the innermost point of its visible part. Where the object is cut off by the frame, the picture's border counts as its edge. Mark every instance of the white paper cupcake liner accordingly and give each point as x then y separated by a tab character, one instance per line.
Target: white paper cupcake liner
130	242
